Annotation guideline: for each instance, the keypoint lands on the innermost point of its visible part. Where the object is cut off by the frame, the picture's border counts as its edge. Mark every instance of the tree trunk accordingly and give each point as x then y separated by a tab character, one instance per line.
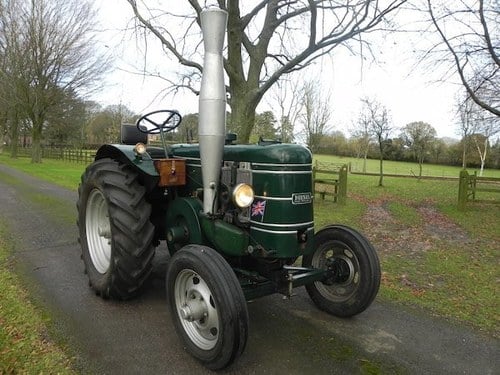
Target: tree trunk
365	155
381	178
420	162
36	135
14	134
464	156
243	117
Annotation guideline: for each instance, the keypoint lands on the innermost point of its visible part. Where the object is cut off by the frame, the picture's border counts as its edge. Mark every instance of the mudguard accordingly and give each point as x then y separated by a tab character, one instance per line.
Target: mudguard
125	153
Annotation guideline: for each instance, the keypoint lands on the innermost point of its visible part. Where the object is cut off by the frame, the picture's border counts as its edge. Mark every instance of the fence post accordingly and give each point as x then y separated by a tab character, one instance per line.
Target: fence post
462	189
342	190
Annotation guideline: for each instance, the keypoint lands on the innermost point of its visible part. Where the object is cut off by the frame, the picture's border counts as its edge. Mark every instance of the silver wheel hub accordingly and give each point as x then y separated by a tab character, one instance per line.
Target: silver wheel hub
196	309
98	229
344	288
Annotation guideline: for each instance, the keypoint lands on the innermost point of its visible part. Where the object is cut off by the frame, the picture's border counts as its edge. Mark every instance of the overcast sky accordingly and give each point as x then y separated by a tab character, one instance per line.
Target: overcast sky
408	93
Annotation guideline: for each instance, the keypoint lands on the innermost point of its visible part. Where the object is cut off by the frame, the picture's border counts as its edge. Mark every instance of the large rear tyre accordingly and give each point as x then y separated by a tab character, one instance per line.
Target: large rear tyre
115	232
207	306
354	271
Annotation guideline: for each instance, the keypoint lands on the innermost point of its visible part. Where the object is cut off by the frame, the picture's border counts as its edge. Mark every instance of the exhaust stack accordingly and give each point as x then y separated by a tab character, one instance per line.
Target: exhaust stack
212	105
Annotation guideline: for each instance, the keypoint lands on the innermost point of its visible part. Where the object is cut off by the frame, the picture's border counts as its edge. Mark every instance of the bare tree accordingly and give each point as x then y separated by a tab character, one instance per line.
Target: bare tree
315	114
285	99
484	128
266	39
361	134
477	126
52	41
419	137
470	32
465	109
379	127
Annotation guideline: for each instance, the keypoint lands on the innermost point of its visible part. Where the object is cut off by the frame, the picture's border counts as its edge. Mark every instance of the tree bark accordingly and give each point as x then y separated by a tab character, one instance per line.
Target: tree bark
14	134
381	178
36	135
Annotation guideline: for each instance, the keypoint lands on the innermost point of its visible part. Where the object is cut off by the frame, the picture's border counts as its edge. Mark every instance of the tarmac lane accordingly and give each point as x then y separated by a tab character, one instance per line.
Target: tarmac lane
286	336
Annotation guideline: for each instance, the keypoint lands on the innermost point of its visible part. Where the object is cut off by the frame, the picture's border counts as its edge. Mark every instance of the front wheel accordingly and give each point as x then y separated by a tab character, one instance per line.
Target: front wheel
353	276
207	306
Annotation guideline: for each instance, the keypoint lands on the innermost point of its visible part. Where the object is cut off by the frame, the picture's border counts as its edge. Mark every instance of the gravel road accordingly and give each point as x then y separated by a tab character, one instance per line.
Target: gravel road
286	336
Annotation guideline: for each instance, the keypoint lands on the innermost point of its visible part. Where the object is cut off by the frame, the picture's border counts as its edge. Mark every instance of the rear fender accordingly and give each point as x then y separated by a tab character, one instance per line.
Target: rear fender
125	154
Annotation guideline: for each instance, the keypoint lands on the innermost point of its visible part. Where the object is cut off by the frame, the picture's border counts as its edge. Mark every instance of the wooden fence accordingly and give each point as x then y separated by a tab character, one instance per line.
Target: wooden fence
71	155
335	182
471	184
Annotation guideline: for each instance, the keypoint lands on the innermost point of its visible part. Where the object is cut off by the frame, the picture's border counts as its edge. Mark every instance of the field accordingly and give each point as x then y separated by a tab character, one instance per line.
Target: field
433	256
403	168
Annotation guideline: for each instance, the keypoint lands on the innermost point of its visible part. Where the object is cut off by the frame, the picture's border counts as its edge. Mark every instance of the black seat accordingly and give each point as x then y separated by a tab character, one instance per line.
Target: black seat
130	135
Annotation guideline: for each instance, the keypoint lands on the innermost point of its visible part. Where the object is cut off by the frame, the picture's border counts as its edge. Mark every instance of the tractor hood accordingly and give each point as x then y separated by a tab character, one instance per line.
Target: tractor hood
266	154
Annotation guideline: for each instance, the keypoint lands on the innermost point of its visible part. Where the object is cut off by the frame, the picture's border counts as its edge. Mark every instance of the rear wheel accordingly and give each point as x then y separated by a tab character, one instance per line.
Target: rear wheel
207	306
115	232
353	276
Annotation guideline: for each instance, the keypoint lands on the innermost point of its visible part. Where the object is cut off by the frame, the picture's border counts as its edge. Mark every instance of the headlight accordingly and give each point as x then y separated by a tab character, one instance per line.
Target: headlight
140	148
243	195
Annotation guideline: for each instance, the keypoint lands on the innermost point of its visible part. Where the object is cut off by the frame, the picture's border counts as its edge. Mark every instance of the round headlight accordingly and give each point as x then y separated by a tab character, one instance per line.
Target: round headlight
243	195
140	148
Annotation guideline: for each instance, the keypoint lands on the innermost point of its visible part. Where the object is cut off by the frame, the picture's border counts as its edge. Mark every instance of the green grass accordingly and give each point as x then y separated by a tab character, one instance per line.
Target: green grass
24	345
56	171
404	168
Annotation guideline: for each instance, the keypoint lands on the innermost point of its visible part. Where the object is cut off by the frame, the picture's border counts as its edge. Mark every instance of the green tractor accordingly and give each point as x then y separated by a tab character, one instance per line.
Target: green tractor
237	219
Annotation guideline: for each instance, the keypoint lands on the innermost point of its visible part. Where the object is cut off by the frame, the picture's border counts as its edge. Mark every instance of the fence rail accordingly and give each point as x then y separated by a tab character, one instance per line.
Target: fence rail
66	154
335	182
472	184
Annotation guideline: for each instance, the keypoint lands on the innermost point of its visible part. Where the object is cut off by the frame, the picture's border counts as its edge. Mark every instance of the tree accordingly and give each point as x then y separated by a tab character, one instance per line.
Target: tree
52	55
315	114
188	132
105	126
379	127
264	127
65	120
361	133
469	30
485	127
265	41
285	95
476	126
419	137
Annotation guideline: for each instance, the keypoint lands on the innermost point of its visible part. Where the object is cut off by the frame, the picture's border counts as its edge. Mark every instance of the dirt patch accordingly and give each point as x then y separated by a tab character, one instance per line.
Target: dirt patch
391	236
440	227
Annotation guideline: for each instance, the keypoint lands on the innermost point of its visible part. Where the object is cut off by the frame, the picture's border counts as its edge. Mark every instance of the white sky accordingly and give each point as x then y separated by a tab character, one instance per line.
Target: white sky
409	97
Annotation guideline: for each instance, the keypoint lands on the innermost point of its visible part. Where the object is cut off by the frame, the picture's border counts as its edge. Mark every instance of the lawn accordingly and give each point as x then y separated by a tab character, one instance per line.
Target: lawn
57	171
404	168
433	256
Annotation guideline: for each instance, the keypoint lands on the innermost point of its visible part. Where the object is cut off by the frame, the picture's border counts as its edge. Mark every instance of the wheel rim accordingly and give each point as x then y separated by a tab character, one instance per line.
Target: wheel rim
98	229
196	308
342	262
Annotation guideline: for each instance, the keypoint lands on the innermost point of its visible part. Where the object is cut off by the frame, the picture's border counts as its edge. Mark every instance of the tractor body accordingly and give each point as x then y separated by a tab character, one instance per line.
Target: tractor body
261	241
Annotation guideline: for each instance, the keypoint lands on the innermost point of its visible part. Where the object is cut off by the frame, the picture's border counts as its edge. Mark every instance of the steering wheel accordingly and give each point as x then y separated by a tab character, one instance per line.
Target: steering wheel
157	121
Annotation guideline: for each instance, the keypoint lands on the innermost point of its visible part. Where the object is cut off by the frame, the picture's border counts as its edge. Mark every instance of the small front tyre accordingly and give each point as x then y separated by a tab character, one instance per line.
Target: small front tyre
207	306
353	276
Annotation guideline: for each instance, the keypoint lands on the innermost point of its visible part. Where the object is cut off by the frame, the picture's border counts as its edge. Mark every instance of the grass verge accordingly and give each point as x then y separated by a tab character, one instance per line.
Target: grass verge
24	344
56	171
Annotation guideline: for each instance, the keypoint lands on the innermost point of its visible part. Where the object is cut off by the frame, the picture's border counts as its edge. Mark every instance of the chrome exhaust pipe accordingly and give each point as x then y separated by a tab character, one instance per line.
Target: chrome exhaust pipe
212	105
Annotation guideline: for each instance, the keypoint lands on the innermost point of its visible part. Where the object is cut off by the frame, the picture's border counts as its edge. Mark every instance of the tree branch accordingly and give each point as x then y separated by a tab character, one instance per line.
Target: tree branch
459	66
170	47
